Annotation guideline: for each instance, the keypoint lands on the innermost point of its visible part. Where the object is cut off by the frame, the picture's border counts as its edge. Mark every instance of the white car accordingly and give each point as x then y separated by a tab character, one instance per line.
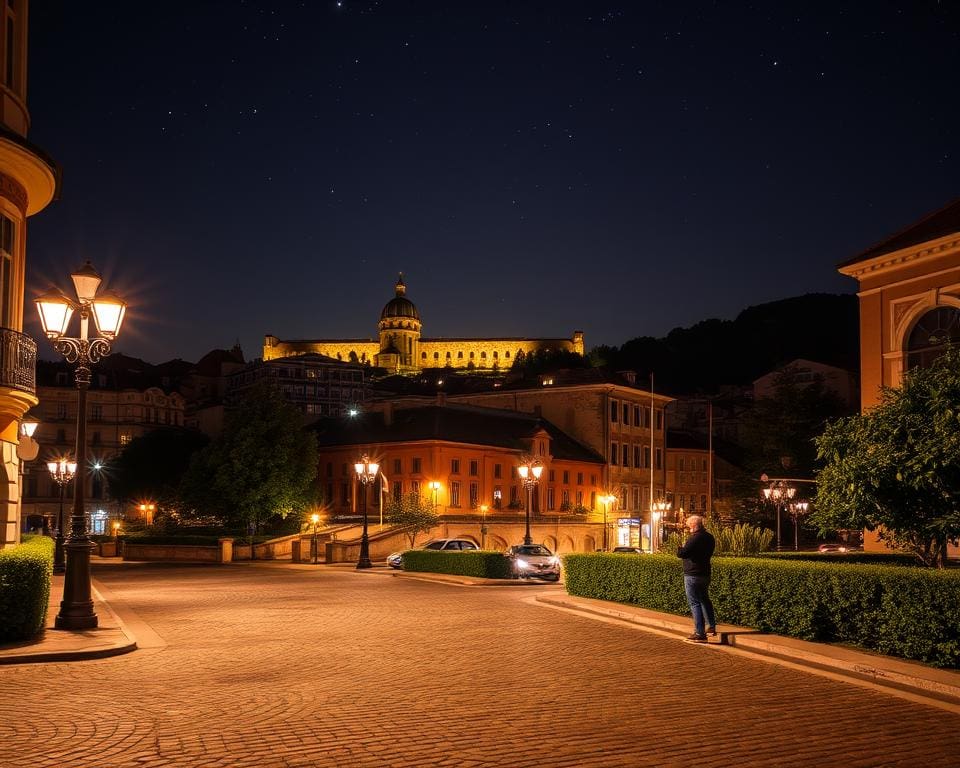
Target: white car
395	559
533	561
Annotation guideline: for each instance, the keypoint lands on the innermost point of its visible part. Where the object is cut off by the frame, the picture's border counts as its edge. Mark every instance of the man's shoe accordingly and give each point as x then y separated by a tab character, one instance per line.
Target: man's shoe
712	631
695	638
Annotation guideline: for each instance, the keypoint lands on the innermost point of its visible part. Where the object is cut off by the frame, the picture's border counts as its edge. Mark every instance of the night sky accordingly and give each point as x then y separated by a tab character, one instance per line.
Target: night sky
243	168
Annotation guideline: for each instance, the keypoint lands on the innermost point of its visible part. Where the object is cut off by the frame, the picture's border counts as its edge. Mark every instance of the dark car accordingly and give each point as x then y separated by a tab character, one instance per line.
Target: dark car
841	548
395	559
631	550
533	561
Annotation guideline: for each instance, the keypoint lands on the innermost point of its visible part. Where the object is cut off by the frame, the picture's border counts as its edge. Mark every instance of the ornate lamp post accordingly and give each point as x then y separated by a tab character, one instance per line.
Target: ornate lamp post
797	510
659	510
483	525
434	486
116	537
529	471
366	474
61	472
607	499
779	492
56	310
315	519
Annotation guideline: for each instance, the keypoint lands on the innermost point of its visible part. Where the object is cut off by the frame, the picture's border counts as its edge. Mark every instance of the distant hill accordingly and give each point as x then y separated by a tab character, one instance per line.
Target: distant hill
700	359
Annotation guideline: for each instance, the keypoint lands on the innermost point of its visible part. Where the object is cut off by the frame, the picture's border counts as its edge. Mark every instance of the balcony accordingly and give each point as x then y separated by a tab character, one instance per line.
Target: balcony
18	361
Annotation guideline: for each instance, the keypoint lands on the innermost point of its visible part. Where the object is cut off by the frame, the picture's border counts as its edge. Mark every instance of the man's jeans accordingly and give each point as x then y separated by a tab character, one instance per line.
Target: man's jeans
700	606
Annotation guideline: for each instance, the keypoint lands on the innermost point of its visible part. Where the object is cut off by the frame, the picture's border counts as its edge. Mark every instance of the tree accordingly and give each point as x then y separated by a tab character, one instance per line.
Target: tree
152	465
897	467
413	513
263	464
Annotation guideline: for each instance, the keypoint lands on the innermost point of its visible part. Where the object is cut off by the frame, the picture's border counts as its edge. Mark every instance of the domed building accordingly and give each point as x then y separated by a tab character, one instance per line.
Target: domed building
401	349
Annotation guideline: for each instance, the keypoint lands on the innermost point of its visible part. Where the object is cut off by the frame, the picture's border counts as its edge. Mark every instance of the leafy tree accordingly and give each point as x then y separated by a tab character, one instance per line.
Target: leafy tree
152	465
412	512
263	464
897	467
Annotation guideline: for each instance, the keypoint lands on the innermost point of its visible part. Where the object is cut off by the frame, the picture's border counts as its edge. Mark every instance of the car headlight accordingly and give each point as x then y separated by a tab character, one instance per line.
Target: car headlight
522	563
554	561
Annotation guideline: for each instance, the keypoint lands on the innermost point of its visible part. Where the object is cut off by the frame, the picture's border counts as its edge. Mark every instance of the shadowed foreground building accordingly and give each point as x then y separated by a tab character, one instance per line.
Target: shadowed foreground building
401	349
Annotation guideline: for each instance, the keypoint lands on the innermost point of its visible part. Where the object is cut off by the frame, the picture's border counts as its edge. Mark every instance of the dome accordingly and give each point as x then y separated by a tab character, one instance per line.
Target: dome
400	305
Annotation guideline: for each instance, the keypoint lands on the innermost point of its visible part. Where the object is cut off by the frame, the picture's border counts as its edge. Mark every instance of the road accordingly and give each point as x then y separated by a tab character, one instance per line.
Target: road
291	666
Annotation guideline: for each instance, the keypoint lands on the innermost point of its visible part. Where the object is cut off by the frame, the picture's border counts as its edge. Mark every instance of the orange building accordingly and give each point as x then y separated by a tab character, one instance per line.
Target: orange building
909	304
28	182
464	460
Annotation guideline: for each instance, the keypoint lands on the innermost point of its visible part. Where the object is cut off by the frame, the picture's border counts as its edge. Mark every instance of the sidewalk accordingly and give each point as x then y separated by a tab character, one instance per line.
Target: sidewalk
110	638
121	631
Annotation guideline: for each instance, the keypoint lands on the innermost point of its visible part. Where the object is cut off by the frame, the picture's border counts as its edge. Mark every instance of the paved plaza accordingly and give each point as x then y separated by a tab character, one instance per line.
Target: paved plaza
265	665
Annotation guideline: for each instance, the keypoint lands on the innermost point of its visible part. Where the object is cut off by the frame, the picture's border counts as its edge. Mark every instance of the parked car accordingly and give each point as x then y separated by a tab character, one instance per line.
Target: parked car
631	550
533	561
843	548
395	559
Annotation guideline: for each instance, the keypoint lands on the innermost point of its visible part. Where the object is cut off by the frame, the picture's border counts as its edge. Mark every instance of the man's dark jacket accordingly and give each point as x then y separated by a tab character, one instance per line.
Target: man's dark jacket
696	553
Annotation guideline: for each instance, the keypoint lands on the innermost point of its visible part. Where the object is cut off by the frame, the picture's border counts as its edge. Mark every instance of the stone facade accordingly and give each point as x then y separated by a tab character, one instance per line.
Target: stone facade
401	349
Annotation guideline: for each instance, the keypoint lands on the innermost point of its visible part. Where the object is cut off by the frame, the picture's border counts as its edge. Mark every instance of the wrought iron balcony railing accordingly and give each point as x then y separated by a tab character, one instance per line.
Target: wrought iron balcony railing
18	361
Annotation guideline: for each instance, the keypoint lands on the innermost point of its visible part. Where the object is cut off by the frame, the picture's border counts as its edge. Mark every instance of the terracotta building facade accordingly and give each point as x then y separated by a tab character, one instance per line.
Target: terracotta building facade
400	348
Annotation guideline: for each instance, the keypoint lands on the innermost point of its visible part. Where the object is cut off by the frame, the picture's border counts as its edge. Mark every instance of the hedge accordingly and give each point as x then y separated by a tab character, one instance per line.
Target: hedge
909	612
480	564
860	558
25	572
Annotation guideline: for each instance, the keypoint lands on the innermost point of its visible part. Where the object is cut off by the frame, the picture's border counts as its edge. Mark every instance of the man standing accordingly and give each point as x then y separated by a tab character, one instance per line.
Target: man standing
696	554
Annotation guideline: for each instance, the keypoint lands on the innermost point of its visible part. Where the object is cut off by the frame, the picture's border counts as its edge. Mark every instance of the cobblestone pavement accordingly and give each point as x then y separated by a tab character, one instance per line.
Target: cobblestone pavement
288	667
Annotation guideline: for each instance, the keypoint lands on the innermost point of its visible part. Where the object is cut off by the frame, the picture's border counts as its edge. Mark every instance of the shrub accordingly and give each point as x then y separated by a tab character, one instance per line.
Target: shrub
480	564
908	612
25	573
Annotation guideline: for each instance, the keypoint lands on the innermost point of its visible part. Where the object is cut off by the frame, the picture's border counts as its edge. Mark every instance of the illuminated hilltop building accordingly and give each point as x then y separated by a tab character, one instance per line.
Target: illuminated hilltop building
401	349
28	182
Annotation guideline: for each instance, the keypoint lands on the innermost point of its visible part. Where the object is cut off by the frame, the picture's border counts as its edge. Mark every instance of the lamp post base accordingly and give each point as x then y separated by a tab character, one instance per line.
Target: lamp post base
58	563
76	608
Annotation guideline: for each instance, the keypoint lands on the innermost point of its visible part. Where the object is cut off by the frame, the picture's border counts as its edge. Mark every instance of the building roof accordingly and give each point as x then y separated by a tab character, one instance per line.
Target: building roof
400	305
451	423
941	223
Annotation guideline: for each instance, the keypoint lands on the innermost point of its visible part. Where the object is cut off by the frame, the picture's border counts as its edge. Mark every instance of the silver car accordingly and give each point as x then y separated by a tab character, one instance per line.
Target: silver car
395	559
533	561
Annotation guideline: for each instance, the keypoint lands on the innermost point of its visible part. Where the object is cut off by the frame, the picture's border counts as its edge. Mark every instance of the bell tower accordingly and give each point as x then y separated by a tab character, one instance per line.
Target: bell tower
399	332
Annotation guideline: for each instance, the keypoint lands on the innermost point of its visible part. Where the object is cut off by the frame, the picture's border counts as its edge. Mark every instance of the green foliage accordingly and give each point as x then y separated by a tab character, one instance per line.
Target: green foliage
262	465
413	513
484	565
908	612
152	465
741	539
25	573
898	465
848	558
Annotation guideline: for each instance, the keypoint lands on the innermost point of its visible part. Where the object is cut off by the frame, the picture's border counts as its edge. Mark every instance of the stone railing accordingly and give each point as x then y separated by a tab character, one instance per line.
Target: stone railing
18	361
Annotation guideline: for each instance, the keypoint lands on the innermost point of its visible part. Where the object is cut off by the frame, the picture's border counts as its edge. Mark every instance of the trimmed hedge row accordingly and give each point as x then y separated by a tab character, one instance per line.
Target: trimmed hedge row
911	613
860	558
480	564
25	573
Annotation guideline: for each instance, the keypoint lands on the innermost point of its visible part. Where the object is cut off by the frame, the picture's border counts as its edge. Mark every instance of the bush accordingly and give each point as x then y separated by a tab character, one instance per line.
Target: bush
848	558
908	612
480	564
25	573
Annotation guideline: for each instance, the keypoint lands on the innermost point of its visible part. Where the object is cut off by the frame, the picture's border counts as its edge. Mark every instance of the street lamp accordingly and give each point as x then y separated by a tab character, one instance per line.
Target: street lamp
607	499
147	509
797	510
779	492
56	310
659	510
366	474
116	537
61	472
315	519
529	471
434	487
483	525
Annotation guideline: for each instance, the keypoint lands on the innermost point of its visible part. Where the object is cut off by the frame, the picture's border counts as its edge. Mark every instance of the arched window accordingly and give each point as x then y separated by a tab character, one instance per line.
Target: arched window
448	355
507	353
494	355
471	355
423	355
436	355
460	355
483	355
933	333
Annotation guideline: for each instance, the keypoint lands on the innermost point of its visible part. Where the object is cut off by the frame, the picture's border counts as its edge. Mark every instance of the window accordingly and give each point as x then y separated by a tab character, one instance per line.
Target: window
61	410
565	499
613	454
497	471
636	497
659	420
474	495
579	478
636	415
646	418
474	468
683	500
551	500
933	334
398	466
397	490
125	438
454	494
636	455
415	487
345	494
497	497
551	476
566	477
454	466
693	503
682	463
659	458
579	498
626	414
646	455
416	469
703	502
96	413
613	411
7	241
514	496
61	435
593	499
625	453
